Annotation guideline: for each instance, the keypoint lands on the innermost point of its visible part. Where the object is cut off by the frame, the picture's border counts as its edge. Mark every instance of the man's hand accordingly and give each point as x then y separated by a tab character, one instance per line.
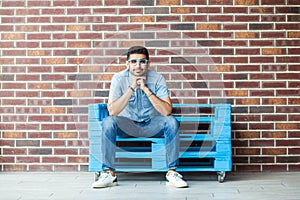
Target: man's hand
138	81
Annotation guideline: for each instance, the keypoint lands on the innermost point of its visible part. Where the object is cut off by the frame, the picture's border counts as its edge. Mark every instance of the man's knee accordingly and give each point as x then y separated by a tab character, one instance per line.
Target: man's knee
108	123
171	122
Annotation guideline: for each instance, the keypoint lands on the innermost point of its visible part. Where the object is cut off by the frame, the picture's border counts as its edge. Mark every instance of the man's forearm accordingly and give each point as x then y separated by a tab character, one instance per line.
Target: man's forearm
164	106
116	106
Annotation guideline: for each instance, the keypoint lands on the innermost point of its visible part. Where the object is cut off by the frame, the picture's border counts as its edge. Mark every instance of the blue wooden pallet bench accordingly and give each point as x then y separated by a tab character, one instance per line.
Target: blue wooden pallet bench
205	142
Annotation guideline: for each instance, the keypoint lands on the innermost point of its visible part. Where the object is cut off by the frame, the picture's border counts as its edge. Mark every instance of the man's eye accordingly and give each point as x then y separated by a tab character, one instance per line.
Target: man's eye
133	61
143	61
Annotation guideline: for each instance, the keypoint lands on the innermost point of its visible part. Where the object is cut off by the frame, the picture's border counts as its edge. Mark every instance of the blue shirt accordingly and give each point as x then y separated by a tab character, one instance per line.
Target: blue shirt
139	107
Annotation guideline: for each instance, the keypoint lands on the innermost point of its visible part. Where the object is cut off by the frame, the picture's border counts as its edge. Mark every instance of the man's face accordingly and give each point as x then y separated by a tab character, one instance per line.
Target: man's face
137	64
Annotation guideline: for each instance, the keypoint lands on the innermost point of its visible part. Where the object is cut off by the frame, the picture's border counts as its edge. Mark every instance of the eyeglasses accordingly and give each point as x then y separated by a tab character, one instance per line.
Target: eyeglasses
135	62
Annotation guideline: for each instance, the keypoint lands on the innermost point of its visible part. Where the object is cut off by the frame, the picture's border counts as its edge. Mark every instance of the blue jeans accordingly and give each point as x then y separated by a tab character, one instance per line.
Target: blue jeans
159	126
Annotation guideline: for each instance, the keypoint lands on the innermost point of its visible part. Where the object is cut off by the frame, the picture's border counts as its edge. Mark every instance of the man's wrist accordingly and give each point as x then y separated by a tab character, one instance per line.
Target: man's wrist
131	88
149	93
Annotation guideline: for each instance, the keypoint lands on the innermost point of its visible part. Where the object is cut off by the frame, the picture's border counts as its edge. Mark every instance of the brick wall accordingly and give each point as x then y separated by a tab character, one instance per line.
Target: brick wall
57	56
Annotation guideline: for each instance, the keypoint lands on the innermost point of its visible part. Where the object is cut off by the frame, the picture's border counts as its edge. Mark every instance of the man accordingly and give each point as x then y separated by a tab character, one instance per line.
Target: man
139	106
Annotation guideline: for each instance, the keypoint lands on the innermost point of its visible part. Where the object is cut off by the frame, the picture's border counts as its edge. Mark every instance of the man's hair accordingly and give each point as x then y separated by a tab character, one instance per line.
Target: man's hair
138	50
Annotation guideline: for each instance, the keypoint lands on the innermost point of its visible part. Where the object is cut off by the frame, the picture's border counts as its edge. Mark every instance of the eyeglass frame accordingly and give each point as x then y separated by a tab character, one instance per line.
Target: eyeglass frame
138	61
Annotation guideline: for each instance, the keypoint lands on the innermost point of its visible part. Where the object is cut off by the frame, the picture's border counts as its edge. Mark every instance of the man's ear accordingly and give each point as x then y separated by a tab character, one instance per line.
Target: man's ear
127	64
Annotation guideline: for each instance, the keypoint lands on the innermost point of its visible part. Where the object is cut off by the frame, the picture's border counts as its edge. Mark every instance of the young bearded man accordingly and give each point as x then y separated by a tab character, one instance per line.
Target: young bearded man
139	105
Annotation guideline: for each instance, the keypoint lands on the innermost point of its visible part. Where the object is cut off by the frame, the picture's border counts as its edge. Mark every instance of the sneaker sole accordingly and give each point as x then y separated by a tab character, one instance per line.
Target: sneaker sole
104	186
178	186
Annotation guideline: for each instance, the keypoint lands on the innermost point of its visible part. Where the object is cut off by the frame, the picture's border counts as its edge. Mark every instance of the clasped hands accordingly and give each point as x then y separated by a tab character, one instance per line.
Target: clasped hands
139	81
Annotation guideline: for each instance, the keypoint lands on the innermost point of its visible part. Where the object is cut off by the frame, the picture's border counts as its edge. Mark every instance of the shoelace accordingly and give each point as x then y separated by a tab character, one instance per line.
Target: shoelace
177	176
103	175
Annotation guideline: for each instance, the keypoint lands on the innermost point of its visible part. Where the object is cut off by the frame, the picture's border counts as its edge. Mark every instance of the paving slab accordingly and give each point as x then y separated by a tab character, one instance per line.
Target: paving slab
149	186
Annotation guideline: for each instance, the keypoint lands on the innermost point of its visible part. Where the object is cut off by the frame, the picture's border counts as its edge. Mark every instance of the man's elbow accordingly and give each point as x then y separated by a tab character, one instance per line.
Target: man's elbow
167	112
111	111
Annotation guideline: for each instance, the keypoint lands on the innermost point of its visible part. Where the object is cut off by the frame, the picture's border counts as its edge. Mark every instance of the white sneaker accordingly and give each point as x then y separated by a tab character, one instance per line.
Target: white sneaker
175	179
105	180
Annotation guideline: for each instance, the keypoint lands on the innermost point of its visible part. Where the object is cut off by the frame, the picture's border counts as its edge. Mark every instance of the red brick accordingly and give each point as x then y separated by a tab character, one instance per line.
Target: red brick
38	53
295	51
13	36
294	118
90	3
39	118
77	159
66	135
237	92
261	43
248	151
62	151
194	2
109	10
14	167
272	18
40	168
14	151
235	9
39	86
142	18
6	44
274	134
220	2
27	94
248	118
273	34
39	36
168	2
277	84
235	43
54	159
246	2
27	159
247	135
52	11
270	2
252	51
255	93
288	92
13	134
220	35
220	18
13	85
7	94
52	28
294	101
209	26
13	102
288	59
273	51
287	126
13	20
65	3
105	27
294	34
238	26
55	143
236	60
34	3
53	110
6	12
65	168
32	102
255	59
274	101
183	10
